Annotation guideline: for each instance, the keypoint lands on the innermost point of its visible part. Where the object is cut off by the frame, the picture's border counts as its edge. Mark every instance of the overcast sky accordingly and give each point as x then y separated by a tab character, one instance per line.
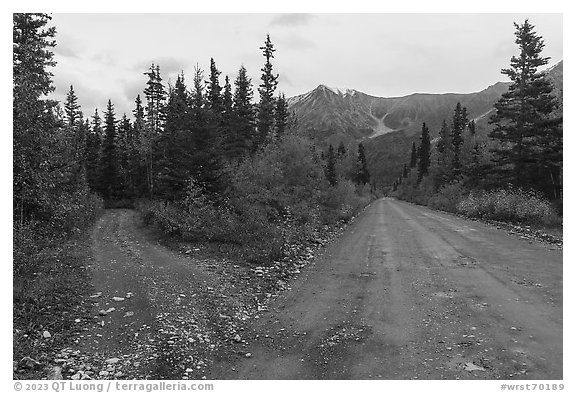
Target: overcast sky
105	55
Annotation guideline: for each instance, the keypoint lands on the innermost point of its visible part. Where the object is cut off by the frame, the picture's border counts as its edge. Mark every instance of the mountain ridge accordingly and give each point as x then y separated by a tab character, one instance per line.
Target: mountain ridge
345	114
388	125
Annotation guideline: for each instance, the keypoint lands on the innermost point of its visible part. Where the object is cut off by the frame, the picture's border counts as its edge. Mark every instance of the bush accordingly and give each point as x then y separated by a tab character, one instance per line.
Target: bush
514	205
277	198
448	197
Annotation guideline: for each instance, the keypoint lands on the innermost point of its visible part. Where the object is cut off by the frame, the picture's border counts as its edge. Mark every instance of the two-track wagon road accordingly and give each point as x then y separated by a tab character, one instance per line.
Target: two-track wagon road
411	293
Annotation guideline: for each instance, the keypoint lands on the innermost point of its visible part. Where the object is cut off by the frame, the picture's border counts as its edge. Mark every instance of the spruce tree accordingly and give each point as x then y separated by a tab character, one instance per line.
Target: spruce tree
244	125
92	153
155	116
205	154
424	153
155	98
331	166
281	116
174	148
266	90
443	164
137	167
124	141
214	93
227	102
459	123
228	121
362	174
72	108
529	152
414	156
108	176
33	123
76	135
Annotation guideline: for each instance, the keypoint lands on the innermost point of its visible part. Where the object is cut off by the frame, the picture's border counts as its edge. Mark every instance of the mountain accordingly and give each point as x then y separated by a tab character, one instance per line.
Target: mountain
334	115
388	126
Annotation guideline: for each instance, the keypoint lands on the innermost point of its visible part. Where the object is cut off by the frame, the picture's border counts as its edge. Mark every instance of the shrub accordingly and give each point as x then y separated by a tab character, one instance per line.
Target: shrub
514	205
448	197
277	198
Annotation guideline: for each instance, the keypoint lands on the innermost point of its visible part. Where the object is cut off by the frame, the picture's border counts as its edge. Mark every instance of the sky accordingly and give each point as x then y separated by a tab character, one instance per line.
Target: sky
104	56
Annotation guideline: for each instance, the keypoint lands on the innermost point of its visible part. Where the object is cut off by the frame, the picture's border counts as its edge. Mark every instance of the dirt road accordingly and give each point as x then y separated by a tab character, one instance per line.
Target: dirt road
411	293
404	293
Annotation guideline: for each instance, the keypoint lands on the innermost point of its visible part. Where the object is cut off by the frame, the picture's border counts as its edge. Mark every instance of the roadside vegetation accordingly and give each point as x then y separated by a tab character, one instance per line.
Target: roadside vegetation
513	171
52	207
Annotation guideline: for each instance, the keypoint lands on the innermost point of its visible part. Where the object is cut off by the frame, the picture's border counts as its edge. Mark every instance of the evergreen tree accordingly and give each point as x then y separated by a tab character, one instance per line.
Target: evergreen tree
227	102
331	166
265	122
459	123
72	108
244	115
443	163
155	115
178	107
123	144
414	156
198	109
362	175
530	139
92	153
155	98
174	149
137	167
108	176
424	153
76	134
214	93
228	121
33	123
281	116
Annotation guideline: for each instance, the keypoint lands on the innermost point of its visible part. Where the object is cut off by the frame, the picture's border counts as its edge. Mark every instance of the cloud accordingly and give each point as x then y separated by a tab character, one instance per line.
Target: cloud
295	42
291	20
88	98
133	88
65	51
168	65
283	80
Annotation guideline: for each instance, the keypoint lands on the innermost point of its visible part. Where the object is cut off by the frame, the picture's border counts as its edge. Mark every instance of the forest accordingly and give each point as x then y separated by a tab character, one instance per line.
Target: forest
512	172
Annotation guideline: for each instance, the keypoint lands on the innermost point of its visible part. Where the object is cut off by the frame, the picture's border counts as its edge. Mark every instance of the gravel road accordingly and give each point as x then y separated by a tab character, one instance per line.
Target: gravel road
411	293
404	292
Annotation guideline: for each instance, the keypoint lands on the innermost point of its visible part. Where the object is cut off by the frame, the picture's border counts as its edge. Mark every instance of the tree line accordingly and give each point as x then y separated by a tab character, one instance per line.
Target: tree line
179	132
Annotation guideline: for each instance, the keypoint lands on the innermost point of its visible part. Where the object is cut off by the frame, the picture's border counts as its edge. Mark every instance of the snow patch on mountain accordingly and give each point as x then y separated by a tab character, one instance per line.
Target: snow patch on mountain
343	91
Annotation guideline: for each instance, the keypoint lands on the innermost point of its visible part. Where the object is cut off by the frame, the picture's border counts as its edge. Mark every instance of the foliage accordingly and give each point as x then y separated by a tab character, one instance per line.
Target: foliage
362	174
265	120
277	197
424	153
529	153
447	197
509	204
